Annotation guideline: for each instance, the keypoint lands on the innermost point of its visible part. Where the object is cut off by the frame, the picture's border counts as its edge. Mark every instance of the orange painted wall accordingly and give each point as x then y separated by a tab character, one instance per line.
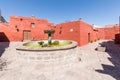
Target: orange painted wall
24	23
79	30
101	33
68	31
110	32
76	31
4	28
84	30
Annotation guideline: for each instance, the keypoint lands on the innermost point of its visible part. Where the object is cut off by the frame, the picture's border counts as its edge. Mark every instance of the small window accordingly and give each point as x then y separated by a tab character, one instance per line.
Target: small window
60	32
32	25
71	30
60	27
54	26
17	28
21	19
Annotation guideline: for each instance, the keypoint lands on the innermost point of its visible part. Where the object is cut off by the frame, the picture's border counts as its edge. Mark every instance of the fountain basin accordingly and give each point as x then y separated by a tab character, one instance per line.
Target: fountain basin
35	46
31	51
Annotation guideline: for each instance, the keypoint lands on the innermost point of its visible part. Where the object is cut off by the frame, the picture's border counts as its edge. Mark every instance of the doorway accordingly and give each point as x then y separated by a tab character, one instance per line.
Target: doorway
26	35
88	37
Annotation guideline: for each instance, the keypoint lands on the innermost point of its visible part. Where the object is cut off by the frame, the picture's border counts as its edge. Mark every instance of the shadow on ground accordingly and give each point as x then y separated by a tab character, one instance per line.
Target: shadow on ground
4	42
3	46
114	51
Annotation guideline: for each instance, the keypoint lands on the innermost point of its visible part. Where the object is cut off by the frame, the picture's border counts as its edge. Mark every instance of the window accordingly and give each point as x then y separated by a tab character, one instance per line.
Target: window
71	30
60	32
21	19
54	26
17	28
32	25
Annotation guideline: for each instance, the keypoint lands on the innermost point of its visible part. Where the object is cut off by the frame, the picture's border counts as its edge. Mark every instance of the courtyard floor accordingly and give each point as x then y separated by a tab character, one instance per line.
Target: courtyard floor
82	63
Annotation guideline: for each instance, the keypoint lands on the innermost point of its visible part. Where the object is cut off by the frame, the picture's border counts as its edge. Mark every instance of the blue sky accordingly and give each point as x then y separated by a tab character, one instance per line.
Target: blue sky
98	12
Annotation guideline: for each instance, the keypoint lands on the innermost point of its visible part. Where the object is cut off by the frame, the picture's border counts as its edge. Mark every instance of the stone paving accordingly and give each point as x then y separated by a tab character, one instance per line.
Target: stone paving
80	63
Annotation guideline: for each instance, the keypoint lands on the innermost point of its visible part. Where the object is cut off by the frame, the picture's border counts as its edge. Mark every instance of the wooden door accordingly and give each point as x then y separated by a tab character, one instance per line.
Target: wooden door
88	37
26	35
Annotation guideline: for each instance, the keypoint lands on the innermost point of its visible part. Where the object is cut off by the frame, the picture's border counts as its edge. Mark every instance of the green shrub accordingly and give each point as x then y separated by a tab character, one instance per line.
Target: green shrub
49	31
55	43
41	42
45	45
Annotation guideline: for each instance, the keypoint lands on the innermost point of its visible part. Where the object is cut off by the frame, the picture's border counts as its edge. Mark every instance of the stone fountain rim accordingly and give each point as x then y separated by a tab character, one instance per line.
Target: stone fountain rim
71	46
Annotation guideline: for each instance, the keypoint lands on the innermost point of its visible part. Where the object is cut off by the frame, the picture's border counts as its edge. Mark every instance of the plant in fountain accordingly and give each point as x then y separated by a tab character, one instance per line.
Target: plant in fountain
50	33
46	44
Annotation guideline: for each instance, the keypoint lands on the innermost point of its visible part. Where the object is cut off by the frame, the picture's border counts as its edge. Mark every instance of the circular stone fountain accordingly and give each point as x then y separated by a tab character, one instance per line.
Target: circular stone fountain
43	45
47	49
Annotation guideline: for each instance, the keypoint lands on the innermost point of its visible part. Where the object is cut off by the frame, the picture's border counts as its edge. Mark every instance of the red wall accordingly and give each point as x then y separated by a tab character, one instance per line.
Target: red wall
84	30
4	28
101	33
68	31
24	23
79	31
110	32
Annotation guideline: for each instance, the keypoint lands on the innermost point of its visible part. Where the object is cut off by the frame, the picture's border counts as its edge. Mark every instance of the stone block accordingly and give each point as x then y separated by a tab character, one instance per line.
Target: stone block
100	48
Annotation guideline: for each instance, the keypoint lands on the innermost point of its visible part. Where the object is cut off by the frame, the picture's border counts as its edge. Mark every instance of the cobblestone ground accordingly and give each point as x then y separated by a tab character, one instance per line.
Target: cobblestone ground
82	63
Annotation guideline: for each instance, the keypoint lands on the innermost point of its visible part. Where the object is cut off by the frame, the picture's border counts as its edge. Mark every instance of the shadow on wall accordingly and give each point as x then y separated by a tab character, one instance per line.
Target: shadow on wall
114	51
4	42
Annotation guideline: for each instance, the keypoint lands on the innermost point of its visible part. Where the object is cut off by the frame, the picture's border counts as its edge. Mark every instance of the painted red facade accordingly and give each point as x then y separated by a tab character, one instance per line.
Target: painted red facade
17	26
78	31
110	32
30	28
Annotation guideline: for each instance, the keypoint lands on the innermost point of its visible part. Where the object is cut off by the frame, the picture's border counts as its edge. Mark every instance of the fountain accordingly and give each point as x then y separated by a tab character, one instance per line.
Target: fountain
48	45
47	50
49	32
